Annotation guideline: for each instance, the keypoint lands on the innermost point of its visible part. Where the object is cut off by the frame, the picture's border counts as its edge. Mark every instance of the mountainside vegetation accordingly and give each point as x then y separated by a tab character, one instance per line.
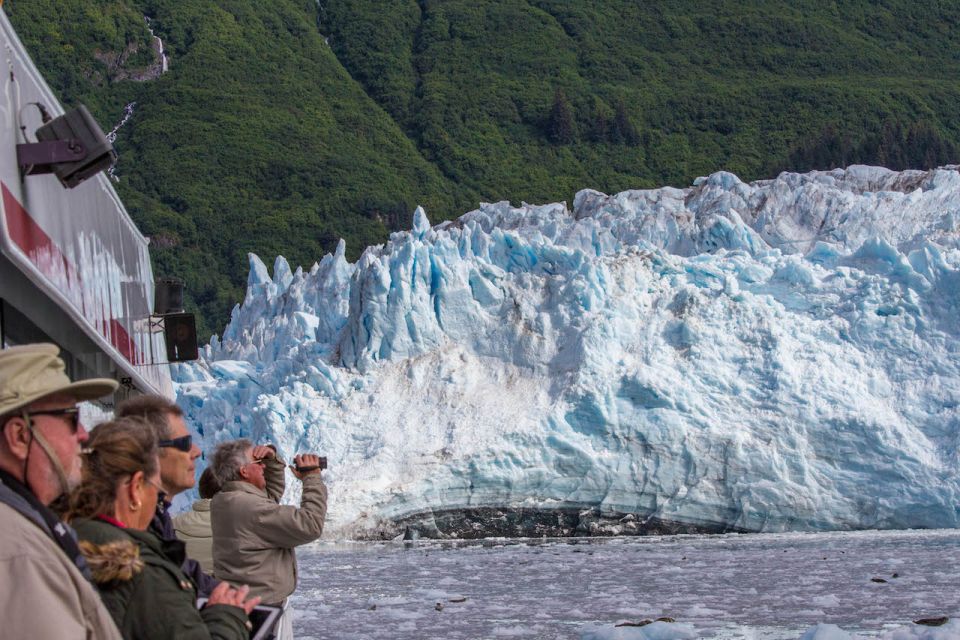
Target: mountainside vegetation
283	126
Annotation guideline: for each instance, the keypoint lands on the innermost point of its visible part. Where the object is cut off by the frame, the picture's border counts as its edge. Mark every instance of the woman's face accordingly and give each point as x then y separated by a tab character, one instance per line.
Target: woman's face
151	493
148	492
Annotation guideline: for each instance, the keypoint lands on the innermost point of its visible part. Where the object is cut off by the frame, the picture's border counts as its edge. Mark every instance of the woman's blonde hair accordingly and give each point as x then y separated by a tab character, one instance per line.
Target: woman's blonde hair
116	450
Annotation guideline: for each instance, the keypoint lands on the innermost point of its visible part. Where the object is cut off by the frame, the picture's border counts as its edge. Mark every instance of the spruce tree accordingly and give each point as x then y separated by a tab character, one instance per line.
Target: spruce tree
600	121
623	130
561	128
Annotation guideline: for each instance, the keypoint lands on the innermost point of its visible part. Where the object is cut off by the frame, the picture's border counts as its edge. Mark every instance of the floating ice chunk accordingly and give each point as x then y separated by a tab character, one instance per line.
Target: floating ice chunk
948	631
942	631
653	631
825	631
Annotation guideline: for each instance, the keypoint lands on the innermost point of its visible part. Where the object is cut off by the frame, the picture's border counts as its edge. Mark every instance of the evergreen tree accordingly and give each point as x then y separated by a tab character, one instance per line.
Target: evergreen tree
890	152
926	149
561	128
601	121
623	130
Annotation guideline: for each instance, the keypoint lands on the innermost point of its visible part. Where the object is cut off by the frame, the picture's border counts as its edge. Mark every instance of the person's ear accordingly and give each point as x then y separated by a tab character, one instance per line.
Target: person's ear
16	437
136	488
243	473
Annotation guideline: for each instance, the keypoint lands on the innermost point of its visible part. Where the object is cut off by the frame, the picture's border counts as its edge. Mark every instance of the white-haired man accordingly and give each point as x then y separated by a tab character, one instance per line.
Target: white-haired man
45	591
254	536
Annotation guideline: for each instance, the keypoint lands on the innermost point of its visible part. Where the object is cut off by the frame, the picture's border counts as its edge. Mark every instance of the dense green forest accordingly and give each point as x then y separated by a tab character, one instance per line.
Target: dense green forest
283	126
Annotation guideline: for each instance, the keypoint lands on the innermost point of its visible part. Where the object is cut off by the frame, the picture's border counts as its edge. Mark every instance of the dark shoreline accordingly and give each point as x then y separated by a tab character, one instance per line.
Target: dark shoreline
518	522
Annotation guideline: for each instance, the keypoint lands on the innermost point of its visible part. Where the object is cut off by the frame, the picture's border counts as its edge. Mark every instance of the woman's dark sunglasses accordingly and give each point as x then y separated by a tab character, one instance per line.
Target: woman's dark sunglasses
72	414
183	443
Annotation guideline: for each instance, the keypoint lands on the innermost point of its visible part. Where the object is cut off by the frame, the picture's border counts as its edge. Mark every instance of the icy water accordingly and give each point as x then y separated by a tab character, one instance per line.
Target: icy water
732	586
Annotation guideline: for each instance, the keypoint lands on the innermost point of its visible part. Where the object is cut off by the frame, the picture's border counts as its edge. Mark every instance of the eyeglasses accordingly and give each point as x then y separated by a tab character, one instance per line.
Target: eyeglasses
72	414
258	461
183	443
148	481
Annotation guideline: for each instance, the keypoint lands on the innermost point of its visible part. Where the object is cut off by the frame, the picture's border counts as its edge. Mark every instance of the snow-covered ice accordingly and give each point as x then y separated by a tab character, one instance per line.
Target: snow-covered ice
815	586
773	356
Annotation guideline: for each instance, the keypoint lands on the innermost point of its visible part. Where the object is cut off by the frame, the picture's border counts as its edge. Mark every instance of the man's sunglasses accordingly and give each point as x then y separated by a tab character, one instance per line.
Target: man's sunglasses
72	414
183	443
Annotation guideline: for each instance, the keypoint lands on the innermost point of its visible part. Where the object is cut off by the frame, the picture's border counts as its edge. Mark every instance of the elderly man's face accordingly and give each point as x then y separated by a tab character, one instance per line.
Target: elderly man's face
176	467
253	470
58	431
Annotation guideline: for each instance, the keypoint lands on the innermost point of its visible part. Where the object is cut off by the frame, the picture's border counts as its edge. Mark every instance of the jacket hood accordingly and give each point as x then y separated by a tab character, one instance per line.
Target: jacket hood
112	553
116	561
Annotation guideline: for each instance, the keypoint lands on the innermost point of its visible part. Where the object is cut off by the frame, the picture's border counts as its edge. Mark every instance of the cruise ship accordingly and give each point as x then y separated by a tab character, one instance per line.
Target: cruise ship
74	268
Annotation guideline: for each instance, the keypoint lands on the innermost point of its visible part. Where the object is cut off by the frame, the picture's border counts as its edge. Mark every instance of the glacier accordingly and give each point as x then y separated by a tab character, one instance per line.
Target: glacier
771	356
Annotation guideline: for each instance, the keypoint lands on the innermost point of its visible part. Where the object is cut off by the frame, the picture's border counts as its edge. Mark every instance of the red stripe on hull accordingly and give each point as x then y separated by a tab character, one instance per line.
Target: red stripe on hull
47	257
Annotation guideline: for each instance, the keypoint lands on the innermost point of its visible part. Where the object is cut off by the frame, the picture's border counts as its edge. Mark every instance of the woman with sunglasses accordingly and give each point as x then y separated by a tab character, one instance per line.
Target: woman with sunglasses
139	577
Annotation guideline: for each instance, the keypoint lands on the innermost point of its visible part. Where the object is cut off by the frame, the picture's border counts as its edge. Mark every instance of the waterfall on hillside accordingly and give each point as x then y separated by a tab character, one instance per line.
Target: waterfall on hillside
127	114
159	47
112	136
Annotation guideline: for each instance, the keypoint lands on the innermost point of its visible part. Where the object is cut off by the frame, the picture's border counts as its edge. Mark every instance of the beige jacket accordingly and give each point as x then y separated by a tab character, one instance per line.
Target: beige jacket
254	536
193	527
42	594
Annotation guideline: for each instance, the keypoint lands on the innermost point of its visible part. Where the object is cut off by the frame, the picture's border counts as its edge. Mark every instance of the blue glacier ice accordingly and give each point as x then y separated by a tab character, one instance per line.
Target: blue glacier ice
773	356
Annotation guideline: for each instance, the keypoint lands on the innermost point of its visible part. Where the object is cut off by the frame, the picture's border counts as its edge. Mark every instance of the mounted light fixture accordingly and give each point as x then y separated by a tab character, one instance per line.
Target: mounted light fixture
72	146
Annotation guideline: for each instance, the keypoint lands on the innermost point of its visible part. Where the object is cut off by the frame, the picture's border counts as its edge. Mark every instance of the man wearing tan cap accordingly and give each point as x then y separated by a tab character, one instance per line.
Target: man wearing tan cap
45	591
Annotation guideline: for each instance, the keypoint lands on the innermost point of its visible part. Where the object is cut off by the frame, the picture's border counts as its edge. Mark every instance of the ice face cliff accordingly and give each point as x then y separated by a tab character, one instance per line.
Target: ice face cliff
780	355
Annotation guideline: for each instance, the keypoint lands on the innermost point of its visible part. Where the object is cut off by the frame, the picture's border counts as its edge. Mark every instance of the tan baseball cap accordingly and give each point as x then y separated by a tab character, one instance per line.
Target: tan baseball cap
33	371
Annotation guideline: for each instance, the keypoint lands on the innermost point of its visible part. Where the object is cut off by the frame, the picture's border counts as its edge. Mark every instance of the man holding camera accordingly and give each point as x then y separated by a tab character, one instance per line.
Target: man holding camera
254	536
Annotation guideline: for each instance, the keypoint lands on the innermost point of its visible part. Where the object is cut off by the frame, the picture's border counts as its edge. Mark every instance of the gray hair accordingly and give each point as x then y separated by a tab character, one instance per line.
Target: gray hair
152	409
227	459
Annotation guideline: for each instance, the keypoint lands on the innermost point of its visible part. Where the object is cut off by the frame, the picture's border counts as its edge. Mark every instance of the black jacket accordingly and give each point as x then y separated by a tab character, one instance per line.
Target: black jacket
162	527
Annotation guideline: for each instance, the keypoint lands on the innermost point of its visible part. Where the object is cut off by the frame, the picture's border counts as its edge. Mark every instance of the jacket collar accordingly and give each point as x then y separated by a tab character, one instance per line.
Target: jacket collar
19	497
243	487
174	550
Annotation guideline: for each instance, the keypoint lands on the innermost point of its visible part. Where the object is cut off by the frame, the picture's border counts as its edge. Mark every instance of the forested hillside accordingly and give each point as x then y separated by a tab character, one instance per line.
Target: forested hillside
282	126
